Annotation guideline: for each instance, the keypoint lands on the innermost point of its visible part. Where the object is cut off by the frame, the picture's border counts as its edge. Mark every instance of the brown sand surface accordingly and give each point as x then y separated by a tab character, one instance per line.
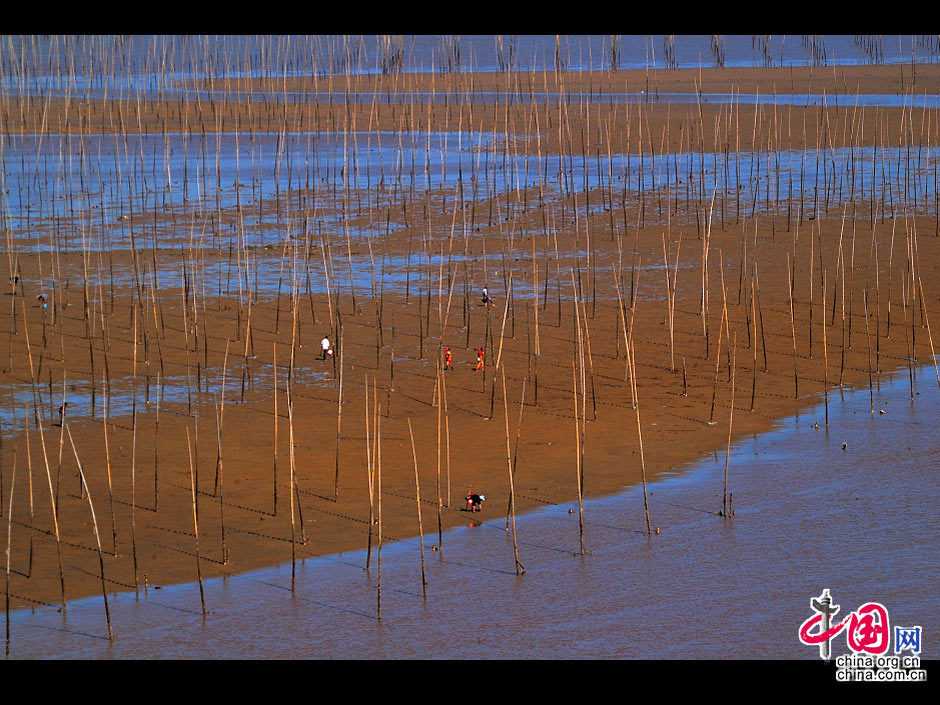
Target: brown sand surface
579	125
894	78
676	429
683	386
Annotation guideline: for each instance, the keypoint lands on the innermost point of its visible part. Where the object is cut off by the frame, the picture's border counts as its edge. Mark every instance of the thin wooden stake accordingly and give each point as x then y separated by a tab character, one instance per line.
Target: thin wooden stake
192	479
414	455
520	568
91	507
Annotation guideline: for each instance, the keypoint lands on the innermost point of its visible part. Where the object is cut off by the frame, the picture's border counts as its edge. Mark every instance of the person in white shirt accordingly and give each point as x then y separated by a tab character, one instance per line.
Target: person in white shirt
325	346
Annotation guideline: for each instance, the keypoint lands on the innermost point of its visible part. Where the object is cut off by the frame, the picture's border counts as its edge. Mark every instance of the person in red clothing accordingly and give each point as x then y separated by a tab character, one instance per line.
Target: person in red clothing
480	355
448	359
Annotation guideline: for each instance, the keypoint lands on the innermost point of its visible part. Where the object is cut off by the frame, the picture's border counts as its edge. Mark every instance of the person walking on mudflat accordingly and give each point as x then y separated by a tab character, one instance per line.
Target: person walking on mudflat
325	348
481	354
448	359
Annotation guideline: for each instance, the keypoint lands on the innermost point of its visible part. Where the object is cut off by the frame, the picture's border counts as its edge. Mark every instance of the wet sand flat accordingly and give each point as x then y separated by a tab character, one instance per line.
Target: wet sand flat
140	287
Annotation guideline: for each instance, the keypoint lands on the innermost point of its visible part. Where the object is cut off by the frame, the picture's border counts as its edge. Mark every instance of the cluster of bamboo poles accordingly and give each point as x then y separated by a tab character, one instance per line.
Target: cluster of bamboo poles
524	201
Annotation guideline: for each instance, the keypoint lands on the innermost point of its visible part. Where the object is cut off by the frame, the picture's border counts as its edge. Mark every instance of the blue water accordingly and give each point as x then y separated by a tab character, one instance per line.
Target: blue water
151	64
809	515
924	99
171	393
58	183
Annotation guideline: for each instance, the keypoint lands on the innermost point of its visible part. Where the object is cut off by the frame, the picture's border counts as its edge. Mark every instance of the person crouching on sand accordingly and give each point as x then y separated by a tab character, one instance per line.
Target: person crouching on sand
475	501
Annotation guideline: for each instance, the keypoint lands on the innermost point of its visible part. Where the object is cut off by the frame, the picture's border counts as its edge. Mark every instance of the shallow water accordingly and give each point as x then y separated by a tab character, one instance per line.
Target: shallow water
151	65
271	275
83	190
809	515
59	175
168	394
599	97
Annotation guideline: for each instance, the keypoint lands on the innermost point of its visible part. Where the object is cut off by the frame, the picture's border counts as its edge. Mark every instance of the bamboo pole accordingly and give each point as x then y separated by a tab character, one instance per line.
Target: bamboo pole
8	554
520	568
192	479
370	470
721	327
107	453
339	410
156	445
134	457
55	518
577	436
796	382
293	493
220	423
414	455
91	507
440	408
221	492
871	391
727	510
378	481
933	355
277	425
825	350
446	437
754	346
62	418
639	430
